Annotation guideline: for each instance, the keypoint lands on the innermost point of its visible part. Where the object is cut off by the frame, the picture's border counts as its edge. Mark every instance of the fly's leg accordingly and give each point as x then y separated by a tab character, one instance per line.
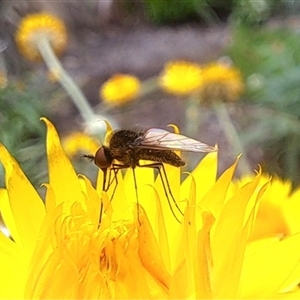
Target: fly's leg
136	194
107	182
166	185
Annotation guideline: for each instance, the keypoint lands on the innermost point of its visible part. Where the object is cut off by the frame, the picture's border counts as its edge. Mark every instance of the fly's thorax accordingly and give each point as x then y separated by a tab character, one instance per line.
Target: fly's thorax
121	146
124	138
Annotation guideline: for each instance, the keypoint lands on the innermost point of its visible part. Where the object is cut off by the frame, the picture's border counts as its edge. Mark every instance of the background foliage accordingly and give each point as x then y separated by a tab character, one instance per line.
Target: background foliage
264	45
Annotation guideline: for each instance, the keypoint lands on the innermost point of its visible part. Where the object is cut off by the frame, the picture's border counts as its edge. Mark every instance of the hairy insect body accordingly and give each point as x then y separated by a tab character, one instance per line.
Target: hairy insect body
127	147
122	147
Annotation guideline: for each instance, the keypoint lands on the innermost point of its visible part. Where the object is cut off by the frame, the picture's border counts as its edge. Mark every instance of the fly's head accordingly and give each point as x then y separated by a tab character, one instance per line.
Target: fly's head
103	158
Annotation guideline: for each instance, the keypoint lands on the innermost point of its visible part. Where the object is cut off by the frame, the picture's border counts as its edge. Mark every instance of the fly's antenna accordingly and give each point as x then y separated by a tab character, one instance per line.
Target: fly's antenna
88	156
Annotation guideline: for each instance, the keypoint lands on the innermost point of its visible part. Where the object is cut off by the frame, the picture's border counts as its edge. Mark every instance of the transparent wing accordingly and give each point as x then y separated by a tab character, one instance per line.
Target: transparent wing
161	139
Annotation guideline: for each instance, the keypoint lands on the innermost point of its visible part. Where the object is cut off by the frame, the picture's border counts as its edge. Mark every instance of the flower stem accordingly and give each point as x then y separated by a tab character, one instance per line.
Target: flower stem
149	86
231	135
3	71
65	80
192	115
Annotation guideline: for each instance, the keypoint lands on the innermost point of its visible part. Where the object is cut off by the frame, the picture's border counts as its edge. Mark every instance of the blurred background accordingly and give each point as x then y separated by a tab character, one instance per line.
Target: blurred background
261	39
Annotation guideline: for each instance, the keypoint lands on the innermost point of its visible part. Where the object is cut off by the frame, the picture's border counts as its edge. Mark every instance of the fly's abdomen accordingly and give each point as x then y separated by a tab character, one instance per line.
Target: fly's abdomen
163	156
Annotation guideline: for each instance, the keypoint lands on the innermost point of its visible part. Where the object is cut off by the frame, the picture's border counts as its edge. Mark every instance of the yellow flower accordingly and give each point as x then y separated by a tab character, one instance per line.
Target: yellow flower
181	77
278	209
221	82
39	26
59	251
120	89
80	142
44	36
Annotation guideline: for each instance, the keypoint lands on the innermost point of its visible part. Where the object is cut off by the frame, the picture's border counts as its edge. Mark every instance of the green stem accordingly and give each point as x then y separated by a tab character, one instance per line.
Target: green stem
3	70
192	116
149	86
65	80
290	157
231	135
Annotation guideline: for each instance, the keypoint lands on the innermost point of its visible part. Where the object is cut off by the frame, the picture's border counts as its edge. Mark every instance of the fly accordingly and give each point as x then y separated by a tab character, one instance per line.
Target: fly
127	147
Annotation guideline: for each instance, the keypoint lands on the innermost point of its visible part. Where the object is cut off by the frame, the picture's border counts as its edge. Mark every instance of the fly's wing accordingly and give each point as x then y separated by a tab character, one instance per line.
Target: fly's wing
161	139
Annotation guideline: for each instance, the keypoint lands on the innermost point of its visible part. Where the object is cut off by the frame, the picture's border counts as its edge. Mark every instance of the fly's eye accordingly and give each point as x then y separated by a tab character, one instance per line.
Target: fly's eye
101	160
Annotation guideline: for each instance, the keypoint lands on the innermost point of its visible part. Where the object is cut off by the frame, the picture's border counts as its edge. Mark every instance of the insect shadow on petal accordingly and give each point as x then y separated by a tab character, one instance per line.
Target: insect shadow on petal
127	147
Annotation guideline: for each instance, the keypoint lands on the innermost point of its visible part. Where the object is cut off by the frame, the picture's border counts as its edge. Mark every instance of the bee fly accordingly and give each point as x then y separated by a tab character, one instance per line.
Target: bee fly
127	147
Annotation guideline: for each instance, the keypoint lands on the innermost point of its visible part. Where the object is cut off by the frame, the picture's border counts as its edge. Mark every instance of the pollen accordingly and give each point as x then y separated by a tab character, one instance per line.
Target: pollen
181	78
35	27
120	89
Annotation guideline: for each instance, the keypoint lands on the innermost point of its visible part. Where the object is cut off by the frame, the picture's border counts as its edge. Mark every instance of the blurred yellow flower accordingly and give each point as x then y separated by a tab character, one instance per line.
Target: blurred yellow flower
221	82
120	89
278	209
35	27
180	77
78	142
59	251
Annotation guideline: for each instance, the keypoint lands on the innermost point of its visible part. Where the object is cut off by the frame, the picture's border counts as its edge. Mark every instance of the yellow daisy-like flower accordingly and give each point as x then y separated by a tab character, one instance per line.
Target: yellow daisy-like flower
80	142
59	251
120	89
180	78
39	26
44	36
278	210
221	82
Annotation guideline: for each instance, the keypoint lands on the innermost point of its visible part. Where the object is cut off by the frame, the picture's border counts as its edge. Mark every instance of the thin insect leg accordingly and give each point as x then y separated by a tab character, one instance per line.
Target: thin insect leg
115	170
110	180
158	166
136	193
105	186
103	189
161	166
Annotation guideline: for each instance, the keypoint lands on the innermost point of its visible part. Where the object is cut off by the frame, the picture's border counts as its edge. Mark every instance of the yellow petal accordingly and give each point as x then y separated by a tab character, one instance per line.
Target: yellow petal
180	284
215	197
8	216
169	210
93	200
204	259
149	252
27	208
186	250
228	252
291	210
266	270
162	234
205	175
143	177
53	258
50	201
109	132
62	176
290	295
120	204
13	263
194	258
